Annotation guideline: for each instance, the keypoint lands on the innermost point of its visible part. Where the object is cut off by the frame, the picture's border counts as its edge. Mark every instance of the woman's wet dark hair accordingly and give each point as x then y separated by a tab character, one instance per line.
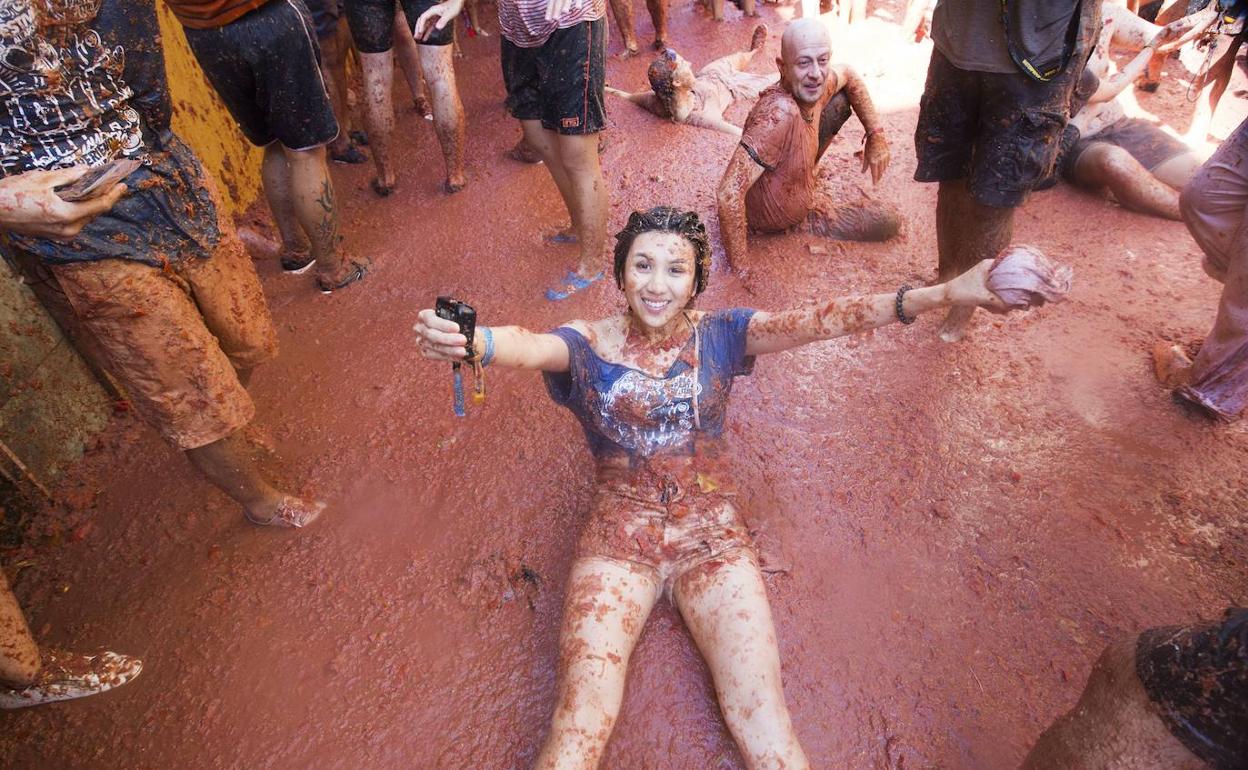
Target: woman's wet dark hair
660	75
666	219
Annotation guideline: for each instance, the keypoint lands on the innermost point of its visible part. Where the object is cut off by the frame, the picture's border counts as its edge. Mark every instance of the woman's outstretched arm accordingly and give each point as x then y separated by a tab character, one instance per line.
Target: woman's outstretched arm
439	339
774	332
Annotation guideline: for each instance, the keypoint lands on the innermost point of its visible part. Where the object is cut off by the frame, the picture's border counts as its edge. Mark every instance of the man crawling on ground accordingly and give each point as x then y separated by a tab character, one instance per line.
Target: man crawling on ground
680	96
770	184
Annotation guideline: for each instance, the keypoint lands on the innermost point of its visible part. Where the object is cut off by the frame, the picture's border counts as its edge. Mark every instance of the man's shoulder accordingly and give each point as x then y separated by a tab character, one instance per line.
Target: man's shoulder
775	106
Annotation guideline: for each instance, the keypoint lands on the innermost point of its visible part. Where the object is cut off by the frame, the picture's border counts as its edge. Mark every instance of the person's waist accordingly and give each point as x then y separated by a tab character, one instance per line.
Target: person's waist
662	479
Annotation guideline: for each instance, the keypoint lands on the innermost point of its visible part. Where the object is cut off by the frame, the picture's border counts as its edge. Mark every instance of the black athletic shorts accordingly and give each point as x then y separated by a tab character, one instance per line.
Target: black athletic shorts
372	23
1197	676
265	66
999	131
561	81
325	15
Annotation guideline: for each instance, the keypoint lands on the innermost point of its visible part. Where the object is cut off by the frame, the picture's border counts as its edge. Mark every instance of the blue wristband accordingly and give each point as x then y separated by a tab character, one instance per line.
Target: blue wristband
488	356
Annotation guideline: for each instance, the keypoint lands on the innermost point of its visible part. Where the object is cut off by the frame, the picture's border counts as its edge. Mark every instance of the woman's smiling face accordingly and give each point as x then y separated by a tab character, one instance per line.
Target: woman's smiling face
659	277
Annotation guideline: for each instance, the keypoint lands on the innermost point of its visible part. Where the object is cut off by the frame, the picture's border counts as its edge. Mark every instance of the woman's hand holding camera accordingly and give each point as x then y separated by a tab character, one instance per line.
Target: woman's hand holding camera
439	338
971	289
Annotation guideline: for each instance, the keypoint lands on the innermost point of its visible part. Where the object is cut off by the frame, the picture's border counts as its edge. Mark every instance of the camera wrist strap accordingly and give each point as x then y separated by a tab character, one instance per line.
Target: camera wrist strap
457	400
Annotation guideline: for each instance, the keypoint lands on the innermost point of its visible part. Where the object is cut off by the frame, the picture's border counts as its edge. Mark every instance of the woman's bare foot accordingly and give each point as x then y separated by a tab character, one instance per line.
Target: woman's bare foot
68	675
759	38
955	324
1171	365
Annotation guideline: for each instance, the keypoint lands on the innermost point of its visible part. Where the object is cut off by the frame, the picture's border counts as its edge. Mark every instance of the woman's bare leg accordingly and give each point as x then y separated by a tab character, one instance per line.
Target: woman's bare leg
606	607
724	603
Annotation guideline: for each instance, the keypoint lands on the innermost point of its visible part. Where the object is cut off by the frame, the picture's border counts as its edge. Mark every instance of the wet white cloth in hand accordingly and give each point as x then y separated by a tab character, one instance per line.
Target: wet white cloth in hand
1022	277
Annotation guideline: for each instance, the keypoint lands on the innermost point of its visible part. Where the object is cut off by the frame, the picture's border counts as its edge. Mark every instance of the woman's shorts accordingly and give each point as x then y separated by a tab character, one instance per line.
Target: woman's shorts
668	527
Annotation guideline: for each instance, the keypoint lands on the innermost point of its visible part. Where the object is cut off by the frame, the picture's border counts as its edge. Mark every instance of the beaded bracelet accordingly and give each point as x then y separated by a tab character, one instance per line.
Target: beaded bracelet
901	314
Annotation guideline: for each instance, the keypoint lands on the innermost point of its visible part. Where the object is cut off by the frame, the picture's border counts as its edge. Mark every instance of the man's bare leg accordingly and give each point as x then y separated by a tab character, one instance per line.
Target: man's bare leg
865	220
312	193
658	17
573	164
622	10
405	50
230	465
717	10
1114	725
1107	166
966	233
275	173
448	111
588	203
19	655
334	73
378	71
542	142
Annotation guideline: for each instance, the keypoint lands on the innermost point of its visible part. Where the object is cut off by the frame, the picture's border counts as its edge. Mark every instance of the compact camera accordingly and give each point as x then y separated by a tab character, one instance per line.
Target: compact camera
464	317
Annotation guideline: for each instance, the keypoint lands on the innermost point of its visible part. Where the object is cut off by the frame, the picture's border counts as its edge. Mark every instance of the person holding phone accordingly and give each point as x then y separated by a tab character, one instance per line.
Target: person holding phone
650	388
147	267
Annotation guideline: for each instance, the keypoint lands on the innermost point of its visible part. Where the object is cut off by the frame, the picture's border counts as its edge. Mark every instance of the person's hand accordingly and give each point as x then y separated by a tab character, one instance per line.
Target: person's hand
971	289
29	204
439	338
875	156
555	9
437	17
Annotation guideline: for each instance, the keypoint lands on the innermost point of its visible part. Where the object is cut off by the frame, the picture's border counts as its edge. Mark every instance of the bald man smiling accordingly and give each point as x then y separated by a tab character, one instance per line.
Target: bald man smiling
770	184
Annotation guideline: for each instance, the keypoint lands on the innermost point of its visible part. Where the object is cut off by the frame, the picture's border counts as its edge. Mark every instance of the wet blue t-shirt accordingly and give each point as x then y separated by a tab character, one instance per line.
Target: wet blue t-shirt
623	409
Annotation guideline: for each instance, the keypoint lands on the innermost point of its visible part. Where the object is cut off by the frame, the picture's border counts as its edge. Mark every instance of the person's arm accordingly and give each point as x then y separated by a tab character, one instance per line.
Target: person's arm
643	99
439	339
1130	31
774	332
715	122
875	155
1112	86
437	17
29	204
741	174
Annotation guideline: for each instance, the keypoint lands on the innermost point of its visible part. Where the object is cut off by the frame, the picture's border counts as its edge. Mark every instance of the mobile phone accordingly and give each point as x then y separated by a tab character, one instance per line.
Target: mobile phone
462	314
98	180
